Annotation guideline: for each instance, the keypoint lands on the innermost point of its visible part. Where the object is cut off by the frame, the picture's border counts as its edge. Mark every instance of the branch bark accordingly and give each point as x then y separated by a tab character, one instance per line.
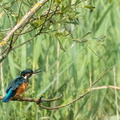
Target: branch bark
41	100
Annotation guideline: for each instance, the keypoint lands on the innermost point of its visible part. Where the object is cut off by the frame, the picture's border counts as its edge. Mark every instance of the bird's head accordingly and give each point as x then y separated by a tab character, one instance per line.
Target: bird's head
28	73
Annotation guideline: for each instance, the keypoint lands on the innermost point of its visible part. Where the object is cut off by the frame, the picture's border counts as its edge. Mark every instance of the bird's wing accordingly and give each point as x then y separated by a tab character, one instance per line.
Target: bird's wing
15	83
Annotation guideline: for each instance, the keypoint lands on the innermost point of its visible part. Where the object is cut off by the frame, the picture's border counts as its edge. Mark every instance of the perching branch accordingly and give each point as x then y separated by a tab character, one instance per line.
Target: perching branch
41	99
34	100
101	77
104	87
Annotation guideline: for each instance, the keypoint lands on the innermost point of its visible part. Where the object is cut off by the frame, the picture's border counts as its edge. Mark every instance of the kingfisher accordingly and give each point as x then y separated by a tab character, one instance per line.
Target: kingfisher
18	86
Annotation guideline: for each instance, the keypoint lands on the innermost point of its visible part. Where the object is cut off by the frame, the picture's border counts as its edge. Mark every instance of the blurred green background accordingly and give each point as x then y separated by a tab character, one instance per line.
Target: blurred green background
83	57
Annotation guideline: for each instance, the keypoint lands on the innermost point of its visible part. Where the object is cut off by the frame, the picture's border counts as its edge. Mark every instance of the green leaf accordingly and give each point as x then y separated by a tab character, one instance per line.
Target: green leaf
61	46
89	7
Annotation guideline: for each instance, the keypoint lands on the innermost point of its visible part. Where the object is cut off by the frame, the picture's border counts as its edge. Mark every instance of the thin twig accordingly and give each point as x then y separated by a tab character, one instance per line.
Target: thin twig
101	77
104	87
57	107
43	15
40	31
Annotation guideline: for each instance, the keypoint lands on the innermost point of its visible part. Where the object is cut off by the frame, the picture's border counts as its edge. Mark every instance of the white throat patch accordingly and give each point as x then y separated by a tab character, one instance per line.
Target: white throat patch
25	77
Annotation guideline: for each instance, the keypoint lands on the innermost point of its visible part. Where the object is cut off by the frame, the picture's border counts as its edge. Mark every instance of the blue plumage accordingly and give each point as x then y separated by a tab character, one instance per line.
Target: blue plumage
15	83
8	96
11	89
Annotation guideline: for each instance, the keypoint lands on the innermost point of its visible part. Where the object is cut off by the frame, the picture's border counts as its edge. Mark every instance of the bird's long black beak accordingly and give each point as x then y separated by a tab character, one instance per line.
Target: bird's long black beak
37	71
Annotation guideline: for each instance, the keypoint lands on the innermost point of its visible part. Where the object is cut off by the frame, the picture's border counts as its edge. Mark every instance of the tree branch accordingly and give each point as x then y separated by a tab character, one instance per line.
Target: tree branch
104	87
24	20
37	101
41	100
39	32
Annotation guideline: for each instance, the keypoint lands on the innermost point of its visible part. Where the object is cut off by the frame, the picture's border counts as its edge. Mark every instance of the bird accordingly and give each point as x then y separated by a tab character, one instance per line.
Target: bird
19	85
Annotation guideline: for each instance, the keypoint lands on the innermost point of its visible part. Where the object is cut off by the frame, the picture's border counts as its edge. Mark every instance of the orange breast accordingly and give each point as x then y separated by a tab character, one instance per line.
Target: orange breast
21	89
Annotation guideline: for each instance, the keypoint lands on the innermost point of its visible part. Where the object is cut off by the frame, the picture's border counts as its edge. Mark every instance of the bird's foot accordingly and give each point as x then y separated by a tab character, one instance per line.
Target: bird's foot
18	97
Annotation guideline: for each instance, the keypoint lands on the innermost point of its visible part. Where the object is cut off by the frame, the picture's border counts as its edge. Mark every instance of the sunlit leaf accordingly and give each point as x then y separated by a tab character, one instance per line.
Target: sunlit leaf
90	7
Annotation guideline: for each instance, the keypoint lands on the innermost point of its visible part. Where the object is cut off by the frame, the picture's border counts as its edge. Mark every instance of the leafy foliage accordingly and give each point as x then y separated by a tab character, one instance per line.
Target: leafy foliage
75	45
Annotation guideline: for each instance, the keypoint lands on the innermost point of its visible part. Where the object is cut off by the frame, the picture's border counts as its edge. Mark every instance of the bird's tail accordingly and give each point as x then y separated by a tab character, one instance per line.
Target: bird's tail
8	96
5	99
